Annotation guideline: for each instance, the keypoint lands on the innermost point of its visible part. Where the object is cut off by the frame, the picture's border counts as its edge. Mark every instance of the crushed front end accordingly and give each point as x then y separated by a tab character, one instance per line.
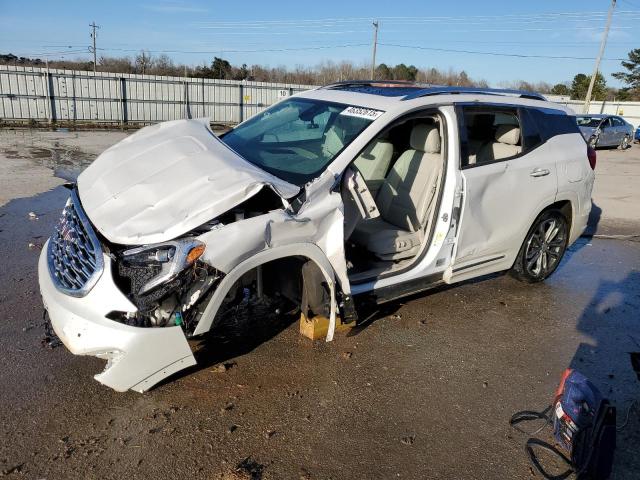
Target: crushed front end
131	307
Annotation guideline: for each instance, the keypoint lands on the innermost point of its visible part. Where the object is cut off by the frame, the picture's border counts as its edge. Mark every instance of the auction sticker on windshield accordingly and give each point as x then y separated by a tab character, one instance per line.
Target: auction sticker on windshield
361	112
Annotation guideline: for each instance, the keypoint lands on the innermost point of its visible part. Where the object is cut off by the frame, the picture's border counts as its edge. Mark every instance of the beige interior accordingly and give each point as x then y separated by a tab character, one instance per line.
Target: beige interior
405	199
374	161
506	144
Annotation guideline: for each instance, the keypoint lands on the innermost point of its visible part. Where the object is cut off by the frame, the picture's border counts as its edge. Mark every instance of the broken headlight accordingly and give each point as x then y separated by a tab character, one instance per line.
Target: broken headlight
168	260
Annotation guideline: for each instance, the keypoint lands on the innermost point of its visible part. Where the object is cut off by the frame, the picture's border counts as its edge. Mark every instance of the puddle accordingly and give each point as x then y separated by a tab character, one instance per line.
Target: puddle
66	163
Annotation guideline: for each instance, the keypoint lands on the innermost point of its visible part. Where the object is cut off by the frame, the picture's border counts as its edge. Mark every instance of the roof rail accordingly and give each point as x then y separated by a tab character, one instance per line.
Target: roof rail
374	83
444	90
419	89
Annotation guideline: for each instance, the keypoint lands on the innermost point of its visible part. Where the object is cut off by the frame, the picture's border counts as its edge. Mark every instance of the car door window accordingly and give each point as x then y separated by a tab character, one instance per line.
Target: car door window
490	135
617	122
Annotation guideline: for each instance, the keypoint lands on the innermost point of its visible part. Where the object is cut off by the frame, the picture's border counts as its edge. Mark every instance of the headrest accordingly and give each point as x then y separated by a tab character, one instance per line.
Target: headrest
509	134
425	138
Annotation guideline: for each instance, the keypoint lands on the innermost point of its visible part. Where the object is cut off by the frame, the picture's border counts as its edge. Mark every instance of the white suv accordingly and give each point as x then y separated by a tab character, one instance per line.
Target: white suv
354	188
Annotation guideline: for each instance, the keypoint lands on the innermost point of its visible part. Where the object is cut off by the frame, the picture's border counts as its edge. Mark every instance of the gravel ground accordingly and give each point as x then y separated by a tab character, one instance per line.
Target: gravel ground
423	390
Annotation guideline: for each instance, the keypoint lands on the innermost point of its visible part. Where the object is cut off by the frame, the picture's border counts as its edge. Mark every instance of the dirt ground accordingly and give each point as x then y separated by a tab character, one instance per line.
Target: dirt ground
424	389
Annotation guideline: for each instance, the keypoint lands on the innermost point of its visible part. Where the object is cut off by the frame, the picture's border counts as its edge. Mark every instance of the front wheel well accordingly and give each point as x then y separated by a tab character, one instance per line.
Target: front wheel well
282	276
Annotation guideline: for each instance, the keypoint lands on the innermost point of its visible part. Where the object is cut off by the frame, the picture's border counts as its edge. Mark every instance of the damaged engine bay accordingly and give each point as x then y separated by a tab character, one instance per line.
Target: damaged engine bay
170	284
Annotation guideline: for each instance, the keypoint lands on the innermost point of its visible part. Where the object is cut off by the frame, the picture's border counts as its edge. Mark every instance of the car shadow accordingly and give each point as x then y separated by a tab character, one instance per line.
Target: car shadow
370	312
587	236
594	220
610	360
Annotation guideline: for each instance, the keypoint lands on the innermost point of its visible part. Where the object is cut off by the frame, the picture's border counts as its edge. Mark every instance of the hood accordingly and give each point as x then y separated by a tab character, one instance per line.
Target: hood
167	179
587	131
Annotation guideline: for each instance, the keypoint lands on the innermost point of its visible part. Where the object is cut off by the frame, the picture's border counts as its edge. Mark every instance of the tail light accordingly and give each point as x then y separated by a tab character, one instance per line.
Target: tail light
591	155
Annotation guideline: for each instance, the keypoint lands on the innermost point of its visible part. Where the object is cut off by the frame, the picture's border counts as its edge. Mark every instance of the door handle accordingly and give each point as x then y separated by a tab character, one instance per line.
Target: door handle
539	172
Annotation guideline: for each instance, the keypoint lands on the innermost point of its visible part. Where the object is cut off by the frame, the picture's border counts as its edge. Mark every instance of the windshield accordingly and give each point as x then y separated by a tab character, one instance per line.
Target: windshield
589	121
296	139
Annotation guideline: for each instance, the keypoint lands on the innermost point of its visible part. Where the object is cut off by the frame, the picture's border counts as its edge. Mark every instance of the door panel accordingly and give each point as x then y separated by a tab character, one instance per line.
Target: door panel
607	135
501	200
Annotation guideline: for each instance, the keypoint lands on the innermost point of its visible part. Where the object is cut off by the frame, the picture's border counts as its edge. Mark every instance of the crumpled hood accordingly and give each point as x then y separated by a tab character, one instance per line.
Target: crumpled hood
587	132
167	179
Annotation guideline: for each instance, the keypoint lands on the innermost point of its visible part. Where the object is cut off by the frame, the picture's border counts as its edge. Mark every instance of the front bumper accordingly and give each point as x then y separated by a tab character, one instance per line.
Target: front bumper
137	358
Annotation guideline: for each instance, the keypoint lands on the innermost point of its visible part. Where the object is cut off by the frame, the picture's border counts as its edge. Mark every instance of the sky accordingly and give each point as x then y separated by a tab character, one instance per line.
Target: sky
459	35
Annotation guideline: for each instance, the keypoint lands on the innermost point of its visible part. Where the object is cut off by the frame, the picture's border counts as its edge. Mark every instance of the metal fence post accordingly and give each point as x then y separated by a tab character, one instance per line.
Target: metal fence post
186	100
203	110
48	88
123	100
241	103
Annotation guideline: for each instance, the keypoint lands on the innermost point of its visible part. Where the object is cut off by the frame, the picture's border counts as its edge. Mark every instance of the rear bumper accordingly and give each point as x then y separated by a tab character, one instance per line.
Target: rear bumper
137	358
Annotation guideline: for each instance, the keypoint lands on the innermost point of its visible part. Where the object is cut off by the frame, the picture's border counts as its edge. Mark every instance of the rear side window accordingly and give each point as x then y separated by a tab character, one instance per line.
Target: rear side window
551	122
495	133
617	122
531	135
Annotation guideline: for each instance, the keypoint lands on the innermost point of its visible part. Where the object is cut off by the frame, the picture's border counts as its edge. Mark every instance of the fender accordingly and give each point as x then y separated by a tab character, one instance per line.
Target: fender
308	250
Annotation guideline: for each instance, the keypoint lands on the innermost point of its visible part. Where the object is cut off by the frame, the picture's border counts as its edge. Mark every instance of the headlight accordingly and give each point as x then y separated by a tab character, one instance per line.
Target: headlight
170	258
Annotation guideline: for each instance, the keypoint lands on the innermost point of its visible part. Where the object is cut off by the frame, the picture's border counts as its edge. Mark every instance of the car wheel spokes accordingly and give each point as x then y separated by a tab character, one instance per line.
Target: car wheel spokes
544	247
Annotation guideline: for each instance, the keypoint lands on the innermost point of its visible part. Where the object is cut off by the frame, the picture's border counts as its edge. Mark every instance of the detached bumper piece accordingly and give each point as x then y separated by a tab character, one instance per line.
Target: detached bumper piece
137	358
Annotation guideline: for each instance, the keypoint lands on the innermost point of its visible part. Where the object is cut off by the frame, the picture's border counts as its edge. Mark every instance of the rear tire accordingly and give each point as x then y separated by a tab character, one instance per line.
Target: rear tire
543	248
624	144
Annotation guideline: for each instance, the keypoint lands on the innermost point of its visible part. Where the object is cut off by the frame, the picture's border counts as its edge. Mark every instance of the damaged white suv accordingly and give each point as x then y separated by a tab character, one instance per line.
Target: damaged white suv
355	188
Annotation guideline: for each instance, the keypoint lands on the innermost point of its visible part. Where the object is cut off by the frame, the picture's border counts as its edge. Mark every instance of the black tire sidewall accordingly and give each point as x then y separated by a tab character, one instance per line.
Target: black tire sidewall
623	145
520	268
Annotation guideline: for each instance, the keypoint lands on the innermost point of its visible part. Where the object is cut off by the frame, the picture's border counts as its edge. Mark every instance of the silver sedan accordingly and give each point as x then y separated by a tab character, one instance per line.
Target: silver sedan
605	130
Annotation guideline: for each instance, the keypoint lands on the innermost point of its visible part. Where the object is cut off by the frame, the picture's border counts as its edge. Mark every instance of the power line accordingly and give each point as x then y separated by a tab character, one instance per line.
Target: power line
523	16
497	54
586	44
239	51
52	54
325	47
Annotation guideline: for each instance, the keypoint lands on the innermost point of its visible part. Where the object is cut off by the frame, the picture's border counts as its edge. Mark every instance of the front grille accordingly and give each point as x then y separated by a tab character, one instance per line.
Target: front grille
74	253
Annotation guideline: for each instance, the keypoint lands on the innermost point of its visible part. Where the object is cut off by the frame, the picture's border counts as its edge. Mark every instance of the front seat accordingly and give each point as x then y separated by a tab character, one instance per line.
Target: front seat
372	164
405	199
506	145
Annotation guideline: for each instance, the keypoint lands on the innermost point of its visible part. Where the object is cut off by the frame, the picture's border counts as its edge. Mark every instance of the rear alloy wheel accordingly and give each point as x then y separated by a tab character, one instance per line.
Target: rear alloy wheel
543	248
624	144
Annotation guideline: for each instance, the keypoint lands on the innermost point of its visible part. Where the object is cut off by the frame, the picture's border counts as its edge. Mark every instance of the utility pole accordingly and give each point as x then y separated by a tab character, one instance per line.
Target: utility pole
93	36
375	45
603	44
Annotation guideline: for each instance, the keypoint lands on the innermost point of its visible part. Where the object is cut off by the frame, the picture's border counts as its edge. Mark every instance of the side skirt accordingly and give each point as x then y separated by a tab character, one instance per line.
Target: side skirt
394	292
